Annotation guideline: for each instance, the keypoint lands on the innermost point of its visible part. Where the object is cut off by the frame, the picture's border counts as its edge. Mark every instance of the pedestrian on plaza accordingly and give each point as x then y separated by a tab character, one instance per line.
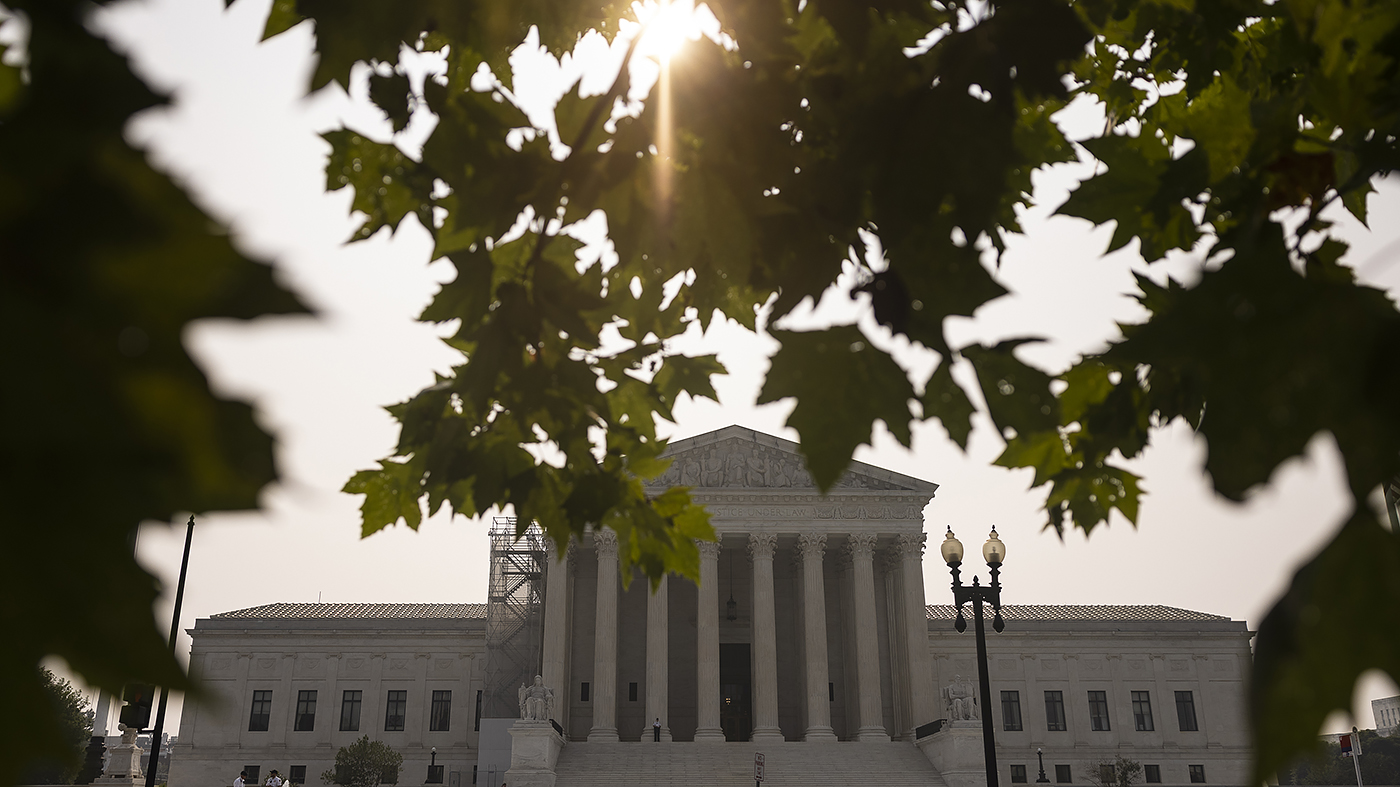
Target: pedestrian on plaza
273	780
656	730
239	781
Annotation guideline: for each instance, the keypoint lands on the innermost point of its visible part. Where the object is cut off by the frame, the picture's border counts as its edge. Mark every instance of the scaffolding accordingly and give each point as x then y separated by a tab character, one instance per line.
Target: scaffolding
514	615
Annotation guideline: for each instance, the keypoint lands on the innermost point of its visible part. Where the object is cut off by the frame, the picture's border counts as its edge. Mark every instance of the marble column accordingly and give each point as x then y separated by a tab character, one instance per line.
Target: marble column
870	710
921	695
556	639
605	644
765	640
812	547
658	630
899	652
707	727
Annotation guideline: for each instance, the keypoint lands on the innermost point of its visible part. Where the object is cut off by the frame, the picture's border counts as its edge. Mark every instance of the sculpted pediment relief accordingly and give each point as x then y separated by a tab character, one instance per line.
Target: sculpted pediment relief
735	457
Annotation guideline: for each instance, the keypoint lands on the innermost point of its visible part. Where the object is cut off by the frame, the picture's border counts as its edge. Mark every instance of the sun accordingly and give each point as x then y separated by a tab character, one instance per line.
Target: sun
669	25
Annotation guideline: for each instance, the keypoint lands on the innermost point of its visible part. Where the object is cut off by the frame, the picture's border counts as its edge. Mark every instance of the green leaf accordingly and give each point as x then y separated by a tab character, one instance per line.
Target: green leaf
1278	357
1090	493
1018	396
842	386
392	94
1337	620
689	375
388	185
1087	384
391	493
945	400
282	17
11	84
1044	451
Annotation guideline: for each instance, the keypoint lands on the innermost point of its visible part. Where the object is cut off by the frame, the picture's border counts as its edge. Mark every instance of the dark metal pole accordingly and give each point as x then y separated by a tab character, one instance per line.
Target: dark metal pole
1041	757
989	746
174	631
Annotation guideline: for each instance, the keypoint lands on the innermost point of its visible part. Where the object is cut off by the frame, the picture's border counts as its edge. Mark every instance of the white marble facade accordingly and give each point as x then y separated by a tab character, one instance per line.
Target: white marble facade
1387	713
330	649
831	640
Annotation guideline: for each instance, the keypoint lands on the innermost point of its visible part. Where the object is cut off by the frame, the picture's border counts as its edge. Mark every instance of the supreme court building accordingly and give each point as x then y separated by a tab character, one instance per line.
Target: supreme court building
808	639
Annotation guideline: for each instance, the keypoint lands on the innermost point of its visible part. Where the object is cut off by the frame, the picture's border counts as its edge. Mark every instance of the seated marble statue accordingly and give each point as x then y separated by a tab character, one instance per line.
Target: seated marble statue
961	700
536	701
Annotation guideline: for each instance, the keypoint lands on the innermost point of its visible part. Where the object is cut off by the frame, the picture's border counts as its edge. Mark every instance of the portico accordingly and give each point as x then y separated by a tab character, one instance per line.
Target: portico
826	591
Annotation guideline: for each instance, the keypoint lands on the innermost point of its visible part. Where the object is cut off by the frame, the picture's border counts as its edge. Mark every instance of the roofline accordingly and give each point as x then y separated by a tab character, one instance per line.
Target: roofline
763	438
210	625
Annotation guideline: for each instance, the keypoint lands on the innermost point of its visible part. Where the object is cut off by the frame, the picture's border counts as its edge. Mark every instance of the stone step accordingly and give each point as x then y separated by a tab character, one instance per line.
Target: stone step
788	764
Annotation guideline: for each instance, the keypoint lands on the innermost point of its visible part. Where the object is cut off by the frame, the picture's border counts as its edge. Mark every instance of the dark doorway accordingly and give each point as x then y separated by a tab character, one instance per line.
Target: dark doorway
735	692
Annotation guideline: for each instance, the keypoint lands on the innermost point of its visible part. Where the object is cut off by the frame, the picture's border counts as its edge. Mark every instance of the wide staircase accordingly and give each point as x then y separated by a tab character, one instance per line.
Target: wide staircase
790	764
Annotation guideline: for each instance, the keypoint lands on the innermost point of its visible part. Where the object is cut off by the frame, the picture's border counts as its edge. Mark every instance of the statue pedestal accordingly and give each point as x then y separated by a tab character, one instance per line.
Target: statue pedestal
124	767
956	751
534	752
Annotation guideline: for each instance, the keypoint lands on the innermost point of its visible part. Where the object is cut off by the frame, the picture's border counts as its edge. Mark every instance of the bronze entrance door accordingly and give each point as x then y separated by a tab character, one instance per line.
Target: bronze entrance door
735	692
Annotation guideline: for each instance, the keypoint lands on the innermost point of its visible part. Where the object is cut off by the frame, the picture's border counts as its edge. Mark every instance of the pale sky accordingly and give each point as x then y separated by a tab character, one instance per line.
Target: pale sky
244	139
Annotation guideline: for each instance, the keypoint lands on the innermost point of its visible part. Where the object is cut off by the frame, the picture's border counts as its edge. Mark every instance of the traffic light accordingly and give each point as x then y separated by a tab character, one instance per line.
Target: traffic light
136	714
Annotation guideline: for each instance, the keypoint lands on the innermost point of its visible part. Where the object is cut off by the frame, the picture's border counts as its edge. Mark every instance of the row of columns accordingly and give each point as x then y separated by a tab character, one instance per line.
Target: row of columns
907	623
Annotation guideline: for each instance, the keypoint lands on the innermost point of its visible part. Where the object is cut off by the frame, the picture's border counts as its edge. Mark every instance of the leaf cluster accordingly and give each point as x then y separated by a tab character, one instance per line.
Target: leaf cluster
364	763
1117	772
104	263
820	134
1380	763
75	719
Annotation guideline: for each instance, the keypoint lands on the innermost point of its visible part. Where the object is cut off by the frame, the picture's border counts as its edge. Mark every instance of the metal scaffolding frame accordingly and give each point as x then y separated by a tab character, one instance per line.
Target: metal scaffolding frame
514	615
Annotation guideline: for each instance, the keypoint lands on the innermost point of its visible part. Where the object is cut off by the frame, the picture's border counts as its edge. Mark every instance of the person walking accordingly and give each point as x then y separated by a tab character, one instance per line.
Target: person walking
239	781
656	730
273	780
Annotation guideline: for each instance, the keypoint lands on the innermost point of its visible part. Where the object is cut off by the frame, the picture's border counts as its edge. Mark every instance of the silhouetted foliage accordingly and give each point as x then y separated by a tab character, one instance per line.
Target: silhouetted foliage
1380	764
104	264
364	763
820	132
75	719
1117	772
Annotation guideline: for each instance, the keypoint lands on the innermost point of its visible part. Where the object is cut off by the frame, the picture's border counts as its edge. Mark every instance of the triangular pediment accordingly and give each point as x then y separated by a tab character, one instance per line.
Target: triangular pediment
742	458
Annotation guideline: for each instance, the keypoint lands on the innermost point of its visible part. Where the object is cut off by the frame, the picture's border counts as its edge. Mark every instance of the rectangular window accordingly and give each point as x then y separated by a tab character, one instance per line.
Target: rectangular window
1106	775
1186	712
473	774
395	711
1018	774
305	720
477	724
1098	711
1011	711
1055	712
1142	711
1198	773
631	692
435	774
252	770
262	711
350	710
297	775
583	692
441	719
1152	774
1062	774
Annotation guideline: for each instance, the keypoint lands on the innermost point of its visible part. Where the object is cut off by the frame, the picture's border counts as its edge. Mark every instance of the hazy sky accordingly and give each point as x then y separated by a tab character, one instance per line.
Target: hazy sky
244	139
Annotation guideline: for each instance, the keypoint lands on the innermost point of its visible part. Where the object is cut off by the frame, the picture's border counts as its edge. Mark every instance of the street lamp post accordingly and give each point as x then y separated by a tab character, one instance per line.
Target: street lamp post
174	631
1041	757
994	552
